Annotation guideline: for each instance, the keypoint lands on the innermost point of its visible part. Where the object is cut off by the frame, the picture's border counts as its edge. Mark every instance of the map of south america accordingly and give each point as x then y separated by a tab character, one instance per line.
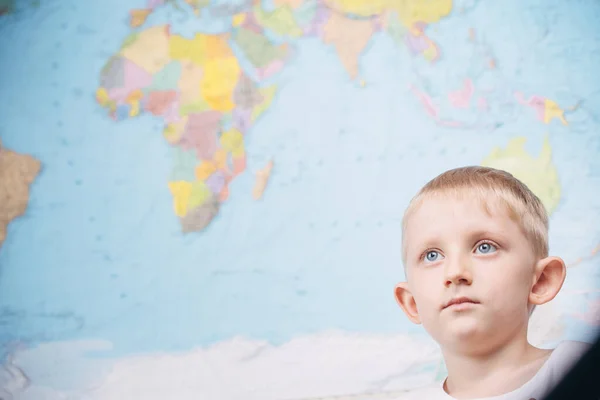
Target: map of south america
17	173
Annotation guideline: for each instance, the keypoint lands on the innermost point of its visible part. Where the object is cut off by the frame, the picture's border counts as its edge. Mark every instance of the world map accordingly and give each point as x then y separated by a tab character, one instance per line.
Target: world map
203	198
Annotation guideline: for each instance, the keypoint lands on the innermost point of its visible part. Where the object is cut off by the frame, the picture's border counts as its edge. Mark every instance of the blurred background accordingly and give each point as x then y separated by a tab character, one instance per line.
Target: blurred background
202	199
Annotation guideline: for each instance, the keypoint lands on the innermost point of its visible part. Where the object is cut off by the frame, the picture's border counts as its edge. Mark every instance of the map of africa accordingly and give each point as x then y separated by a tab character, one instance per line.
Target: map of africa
203	198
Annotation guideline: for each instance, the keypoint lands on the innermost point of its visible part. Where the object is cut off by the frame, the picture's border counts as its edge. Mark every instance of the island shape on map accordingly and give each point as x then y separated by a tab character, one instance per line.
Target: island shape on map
17	172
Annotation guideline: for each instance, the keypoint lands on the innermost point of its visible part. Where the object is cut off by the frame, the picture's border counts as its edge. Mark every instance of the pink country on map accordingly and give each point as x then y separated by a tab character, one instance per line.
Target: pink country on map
461	98
419	43
433	110
546	109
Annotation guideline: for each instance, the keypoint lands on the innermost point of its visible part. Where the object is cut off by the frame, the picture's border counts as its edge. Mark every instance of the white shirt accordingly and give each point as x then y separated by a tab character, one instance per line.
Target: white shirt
541	384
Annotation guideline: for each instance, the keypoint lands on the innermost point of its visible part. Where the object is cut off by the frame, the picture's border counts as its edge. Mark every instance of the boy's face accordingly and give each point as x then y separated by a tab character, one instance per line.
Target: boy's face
455	250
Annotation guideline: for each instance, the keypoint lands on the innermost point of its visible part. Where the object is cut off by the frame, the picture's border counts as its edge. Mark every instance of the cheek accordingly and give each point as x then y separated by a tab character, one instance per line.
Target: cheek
509	287
426	295
520	278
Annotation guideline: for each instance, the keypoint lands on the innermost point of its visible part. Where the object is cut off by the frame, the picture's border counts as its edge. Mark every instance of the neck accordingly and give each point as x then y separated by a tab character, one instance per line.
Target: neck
493	371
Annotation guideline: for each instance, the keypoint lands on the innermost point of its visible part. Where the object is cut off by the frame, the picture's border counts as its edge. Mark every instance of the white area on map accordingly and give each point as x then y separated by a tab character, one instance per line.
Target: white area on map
330	363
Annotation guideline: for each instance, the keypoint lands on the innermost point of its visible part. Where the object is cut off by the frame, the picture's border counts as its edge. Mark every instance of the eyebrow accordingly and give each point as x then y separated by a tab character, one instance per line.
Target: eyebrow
429	243
483	233
472	236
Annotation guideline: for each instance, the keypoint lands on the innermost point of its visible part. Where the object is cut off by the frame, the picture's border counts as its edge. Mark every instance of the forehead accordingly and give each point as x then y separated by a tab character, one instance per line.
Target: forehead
450	215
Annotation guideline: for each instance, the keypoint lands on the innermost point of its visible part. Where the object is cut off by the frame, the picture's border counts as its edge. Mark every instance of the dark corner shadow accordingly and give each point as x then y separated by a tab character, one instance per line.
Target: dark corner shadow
583	381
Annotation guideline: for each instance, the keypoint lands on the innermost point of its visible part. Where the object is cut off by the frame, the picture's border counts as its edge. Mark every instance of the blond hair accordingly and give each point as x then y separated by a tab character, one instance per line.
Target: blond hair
484	183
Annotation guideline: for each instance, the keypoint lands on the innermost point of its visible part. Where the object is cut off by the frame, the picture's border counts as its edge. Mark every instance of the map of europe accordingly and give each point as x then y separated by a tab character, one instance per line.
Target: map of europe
203	198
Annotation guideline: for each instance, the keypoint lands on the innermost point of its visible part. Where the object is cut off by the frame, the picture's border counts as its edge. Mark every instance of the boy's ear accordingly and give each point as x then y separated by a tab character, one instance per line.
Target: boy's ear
550	273
407	302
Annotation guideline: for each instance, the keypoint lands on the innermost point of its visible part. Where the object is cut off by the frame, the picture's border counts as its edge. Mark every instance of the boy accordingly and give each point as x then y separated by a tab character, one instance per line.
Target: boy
475	251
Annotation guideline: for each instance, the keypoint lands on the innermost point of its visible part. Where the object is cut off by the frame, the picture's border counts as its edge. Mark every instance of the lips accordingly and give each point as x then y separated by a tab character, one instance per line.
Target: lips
460	300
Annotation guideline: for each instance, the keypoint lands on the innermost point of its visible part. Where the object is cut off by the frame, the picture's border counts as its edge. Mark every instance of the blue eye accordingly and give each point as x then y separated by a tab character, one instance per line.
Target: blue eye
486	248
432	256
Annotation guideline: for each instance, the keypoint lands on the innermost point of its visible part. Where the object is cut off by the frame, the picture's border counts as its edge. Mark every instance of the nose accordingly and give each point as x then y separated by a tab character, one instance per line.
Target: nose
458	272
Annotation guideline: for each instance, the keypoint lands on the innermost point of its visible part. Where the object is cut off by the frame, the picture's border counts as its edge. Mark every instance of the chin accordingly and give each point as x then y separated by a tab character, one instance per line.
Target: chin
456	335
463	330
